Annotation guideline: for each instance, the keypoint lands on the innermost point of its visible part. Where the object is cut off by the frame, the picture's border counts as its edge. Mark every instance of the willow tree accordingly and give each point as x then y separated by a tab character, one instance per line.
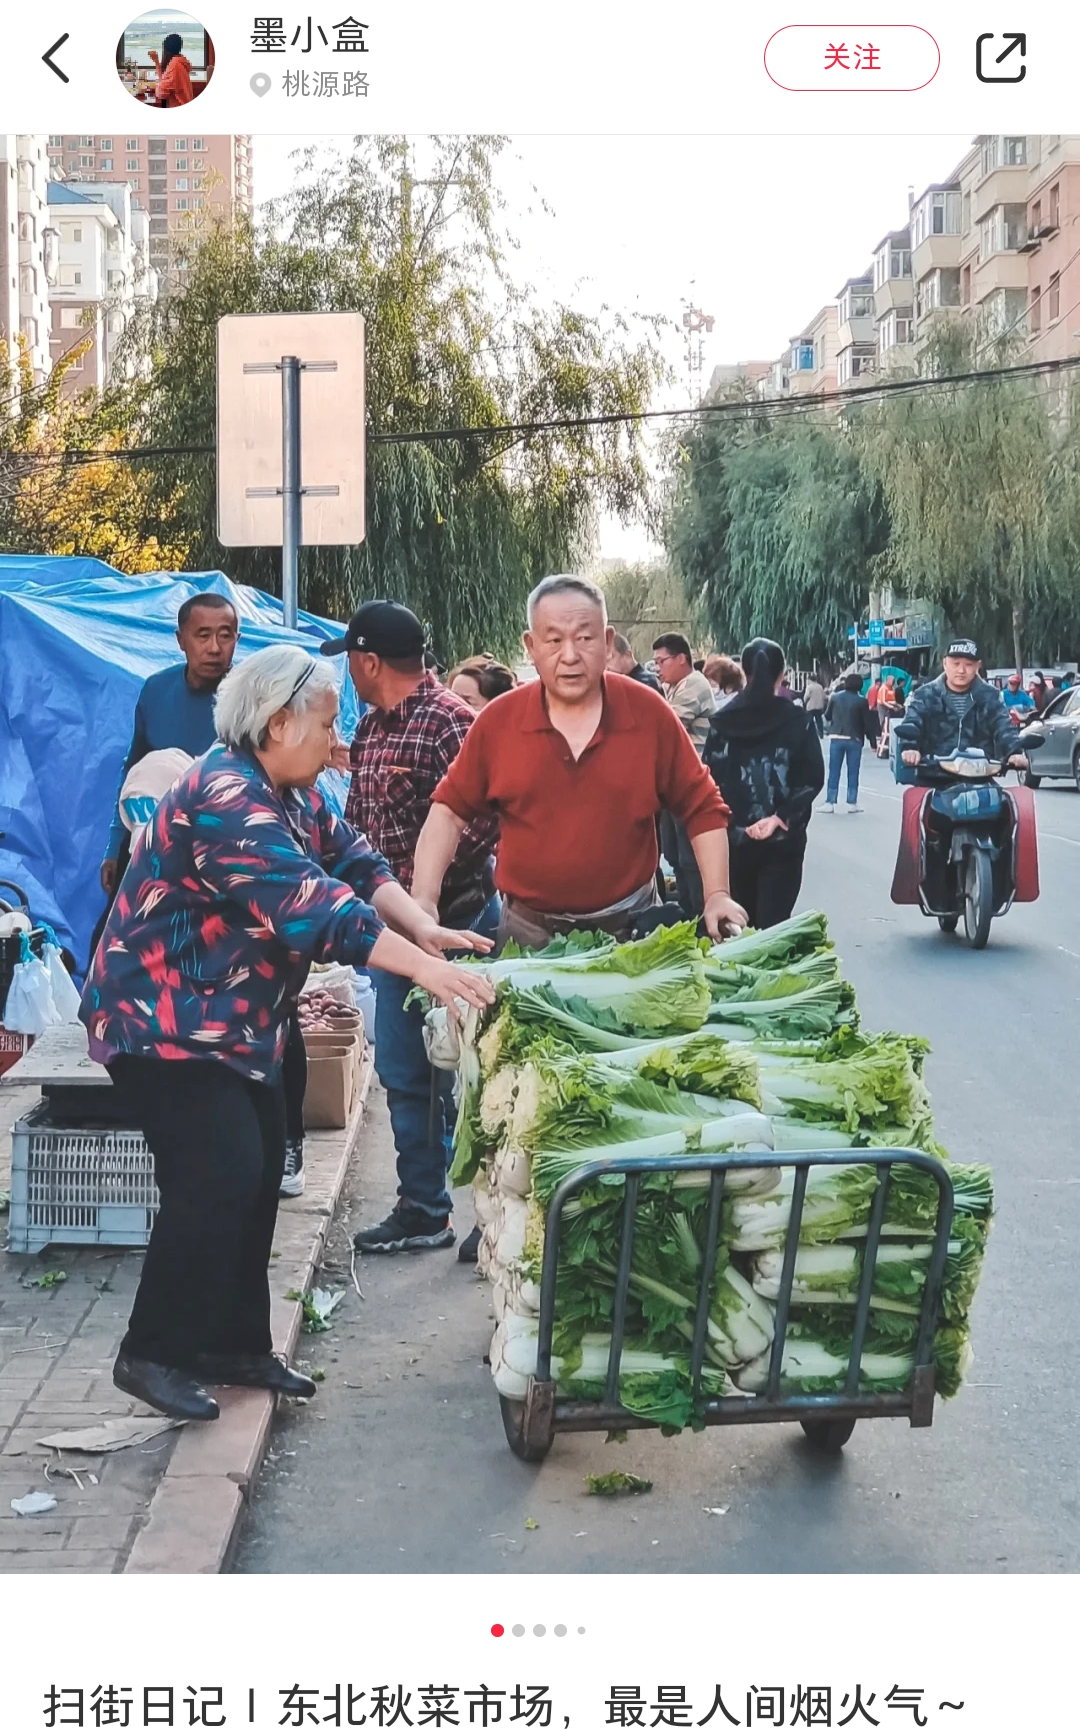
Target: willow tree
772	529
982	482
462	518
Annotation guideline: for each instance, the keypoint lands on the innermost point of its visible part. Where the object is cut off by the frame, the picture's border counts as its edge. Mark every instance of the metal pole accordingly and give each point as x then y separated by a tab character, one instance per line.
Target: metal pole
291	497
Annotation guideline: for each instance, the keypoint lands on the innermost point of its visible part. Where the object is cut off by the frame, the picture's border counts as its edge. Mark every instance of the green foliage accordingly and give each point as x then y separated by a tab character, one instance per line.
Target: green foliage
966	494
645	598
772	527
459	528
983	487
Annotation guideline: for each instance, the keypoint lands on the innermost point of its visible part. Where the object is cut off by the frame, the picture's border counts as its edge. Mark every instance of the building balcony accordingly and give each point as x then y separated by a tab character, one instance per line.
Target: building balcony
895	294
1000	186
855	333
1003	270
936	252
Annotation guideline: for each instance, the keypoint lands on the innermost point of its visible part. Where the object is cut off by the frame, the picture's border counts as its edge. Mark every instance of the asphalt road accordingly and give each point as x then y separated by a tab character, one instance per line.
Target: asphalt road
400	1464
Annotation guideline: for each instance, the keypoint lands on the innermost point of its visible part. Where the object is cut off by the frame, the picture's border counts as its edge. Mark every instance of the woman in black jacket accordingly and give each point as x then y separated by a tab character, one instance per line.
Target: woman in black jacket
765	757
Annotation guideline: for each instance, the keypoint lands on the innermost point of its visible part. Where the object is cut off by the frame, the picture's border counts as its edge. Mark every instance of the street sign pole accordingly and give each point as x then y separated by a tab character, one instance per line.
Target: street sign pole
291	491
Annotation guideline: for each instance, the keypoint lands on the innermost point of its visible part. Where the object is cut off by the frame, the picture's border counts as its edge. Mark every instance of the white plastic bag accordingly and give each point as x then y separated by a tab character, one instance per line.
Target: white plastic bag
30	1008
65	993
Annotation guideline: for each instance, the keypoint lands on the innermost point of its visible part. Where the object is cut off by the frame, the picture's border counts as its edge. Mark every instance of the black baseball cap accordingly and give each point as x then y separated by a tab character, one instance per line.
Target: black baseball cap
965	647
383	628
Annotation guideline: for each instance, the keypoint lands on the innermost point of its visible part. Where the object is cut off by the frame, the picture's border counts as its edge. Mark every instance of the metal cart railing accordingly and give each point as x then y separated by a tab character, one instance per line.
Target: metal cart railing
827	1419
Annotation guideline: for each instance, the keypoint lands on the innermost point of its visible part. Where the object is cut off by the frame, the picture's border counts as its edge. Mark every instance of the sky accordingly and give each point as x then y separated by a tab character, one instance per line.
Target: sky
758	231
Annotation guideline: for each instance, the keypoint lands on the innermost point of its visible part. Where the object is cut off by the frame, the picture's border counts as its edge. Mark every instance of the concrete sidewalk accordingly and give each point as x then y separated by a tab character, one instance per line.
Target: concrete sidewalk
171	1505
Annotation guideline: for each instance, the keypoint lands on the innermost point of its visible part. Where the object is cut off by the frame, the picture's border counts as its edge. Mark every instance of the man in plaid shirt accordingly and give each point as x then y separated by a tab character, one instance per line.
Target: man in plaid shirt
406	741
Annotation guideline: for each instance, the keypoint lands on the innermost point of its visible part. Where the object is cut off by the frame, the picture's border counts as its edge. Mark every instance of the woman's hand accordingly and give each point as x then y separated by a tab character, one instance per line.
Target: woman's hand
340	759
447	982
764	828
433	939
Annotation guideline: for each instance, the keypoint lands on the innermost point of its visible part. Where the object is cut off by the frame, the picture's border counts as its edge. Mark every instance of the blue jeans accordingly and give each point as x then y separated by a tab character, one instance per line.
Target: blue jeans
847	751
422	1136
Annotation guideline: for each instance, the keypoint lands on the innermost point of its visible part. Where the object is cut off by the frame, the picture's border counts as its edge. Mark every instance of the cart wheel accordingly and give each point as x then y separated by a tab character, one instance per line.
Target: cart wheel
827	1436
526	1447
948	922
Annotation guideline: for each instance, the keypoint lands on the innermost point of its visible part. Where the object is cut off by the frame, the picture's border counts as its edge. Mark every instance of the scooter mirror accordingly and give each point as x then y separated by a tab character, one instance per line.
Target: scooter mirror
1031	737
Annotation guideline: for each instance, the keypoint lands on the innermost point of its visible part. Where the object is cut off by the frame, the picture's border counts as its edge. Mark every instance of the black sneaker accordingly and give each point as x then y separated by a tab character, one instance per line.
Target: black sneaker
405	1228
292	1179
469	1248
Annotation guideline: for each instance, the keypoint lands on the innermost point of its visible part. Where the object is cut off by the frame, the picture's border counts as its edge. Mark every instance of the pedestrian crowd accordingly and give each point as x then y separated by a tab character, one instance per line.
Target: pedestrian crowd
481	809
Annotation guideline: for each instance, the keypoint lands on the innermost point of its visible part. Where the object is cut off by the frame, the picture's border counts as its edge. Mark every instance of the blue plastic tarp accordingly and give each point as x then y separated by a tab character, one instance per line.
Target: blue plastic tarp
77	640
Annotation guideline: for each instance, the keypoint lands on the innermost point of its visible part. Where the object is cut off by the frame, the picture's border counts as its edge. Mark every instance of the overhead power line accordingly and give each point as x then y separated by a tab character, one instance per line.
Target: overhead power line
767	408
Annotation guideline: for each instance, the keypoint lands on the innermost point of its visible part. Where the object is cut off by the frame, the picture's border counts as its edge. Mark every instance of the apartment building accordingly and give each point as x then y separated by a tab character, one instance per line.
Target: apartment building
809	362
103	276
993	243
894	298
856	344
170	178
27	246
1052	247
730	373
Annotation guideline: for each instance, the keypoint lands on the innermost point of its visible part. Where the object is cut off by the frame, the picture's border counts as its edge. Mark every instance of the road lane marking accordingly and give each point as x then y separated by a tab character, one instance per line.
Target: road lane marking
1052	835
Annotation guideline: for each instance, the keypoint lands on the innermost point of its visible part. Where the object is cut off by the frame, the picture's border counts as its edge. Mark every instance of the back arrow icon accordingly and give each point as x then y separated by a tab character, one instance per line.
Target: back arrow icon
50	62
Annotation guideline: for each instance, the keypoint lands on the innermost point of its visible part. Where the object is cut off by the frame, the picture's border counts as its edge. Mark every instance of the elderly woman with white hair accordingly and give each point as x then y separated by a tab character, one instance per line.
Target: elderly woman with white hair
241	880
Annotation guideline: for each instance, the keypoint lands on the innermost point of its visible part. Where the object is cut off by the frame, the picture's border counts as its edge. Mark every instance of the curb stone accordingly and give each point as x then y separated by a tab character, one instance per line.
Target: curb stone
195	1513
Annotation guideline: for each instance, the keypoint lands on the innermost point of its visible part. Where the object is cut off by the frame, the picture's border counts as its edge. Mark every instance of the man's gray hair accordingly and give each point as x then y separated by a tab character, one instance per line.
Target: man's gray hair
565	582
284	677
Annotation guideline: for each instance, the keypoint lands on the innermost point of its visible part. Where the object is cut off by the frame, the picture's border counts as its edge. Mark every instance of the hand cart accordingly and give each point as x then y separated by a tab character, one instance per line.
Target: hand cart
827	1419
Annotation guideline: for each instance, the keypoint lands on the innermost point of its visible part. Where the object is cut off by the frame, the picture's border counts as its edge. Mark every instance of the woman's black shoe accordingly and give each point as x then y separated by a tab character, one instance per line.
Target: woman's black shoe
174	1392
255	1370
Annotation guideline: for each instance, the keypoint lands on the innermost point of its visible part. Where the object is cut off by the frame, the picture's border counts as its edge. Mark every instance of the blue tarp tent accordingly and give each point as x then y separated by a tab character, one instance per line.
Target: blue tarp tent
77	640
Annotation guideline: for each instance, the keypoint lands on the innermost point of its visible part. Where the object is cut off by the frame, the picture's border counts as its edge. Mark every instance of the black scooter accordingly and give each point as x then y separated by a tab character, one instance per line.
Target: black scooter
969	831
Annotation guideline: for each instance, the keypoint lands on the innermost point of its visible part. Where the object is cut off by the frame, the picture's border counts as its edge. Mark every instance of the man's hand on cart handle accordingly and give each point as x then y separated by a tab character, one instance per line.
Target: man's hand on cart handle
723	917
911	758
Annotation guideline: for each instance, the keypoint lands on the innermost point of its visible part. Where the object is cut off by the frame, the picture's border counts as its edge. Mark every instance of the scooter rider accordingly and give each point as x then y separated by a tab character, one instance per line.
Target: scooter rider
957	712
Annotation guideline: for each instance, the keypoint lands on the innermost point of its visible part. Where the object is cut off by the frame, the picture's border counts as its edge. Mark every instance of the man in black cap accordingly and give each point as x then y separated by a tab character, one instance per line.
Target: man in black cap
409	736
958	712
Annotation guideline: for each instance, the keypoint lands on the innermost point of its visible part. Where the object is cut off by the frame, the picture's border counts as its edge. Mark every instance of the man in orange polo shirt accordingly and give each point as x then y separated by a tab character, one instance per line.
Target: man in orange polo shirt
576	765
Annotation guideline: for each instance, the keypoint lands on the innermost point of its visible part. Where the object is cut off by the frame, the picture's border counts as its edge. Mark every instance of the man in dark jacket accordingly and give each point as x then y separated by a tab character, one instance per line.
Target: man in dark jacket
848	715
621	659
958	712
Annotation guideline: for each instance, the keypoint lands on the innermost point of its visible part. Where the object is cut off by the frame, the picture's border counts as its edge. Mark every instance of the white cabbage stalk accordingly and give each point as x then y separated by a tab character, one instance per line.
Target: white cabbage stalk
823	1272
515	1295
497	1099
511	1172
508	1231
513	1358
807	1359
484	1199
837	1199
485	1254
